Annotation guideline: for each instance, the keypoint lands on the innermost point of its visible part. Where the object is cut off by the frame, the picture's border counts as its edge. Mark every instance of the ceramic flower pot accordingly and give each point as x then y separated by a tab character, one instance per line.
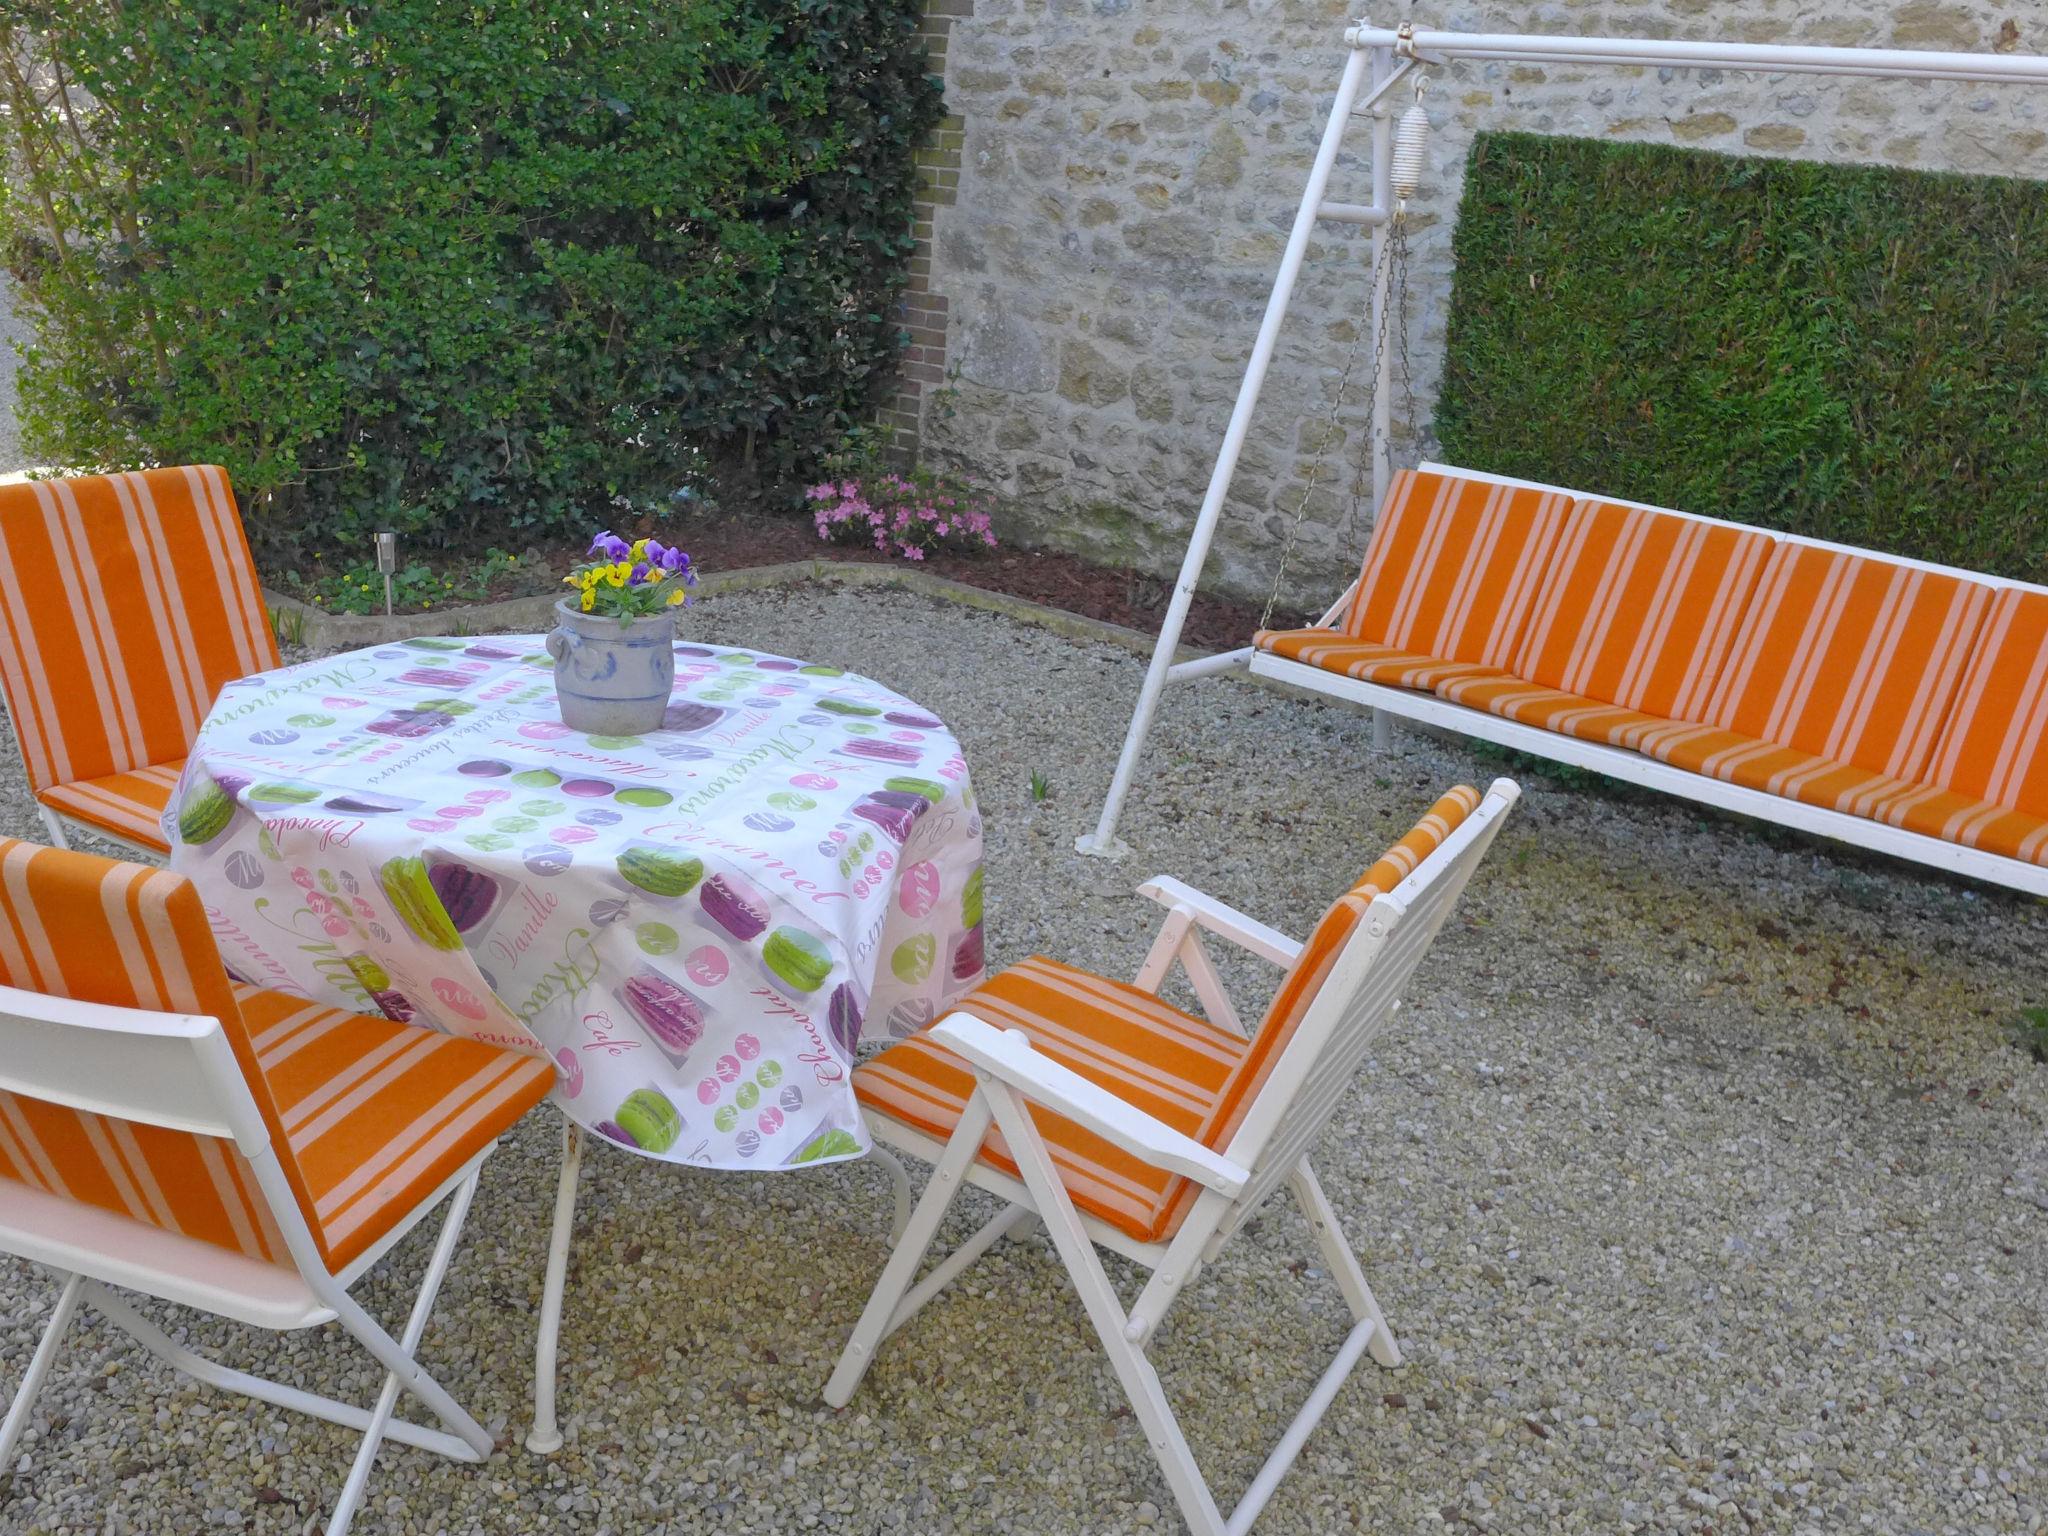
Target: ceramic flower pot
612	679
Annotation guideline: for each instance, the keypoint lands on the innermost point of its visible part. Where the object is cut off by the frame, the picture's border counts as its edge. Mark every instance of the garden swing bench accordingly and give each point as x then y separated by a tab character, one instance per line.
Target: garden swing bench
1889	703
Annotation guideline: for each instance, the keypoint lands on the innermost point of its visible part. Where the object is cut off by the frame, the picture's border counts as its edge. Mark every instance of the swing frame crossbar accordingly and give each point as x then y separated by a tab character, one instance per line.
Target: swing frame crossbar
1379	58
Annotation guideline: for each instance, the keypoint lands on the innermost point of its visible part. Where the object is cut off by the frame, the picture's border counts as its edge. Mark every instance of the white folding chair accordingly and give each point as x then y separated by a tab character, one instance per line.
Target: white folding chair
135	1156
1062	1146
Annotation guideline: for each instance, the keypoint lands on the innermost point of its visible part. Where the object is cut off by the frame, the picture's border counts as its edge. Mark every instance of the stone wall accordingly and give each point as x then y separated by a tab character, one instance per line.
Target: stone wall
1125	176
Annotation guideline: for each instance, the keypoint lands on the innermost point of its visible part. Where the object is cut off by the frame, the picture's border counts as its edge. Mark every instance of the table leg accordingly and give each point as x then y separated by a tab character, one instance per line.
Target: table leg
545	1437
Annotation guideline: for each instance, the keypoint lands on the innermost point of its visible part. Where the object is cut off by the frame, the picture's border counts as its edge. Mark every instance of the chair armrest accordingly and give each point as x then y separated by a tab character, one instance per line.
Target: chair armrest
1226	922
1009	1056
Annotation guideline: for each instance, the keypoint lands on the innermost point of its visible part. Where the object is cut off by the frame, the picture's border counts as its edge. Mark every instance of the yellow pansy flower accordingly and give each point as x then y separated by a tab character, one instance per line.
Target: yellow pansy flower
677	596
589	598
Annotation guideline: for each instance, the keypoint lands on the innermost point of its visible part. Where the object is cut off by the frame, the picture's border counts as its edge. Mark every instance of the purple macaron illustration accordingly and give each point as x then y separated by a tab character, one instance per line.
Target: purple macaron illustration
844	1015
894	811
882	751
468	895
734	905
669	1014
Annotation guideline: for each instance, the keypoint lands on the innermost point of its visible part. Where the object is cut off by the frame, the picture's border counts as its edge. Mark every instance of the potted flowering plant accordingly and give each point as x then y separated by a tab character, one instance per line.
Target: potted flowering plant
614	640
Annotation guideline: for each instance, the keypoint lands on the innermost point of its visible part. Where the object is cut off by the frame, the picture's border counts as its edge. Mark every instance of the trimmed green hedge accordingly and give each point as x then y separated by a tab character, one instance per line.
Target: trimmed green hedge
463	270
1849	352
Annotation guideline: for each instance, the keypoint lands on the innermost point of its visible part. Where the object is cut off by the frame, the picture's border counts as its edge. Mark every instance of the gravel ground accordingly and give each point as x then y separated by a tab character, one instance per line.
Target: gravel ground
1699	1180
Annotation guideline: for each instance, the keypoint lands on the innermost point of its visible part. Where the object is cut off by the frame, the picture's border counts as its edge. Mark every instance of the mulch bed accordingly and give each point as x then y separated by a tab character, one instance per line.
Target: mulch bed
1136	601
726	541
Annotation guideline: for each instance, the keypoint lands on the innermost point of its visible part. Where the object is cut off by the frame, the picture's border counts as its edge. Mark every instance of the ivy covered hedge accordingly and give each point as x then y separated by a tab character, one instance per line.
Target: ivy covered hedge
1850	352
463	270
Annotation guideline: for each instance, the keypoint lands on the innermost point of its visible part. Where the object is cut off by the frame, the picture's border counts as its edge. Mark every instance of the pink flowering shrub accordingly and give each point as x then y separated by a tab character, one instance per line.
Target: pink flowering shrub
905	515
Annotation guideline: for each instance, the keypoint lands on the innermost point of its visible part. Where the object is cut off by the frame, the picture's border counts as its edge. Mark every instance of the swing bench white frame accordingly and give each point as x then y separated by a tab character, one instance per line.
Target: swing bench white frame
1379	59
1284	1121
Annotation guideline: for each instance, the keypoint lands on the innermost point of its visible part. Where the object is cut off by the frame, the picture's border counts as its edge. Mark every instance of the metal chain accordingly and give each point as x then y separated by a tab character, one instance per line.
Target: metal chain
1396	242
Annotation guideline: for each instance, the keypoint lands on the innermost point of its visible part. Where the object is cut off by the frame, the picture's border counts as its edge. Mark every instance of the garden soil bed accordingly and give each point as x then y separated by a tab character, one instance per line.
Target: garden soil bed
728	542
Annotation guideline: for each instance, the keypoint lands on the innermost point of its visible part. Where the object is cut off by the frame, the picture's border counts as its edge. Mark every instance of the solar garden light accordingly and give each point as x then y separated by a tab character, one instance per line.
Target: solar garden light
387	562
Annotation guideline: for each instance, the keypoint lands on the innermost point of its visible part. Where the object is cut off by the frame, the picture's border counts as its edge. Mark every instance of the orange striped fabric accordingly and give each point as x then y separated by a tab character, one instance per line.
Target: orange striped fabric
1193	1075
1641	608
378	1115
1551	709
1454	567
1366	661
1311	967
1995	748
1843	658
112	674
365	1124
1148	1053
129	805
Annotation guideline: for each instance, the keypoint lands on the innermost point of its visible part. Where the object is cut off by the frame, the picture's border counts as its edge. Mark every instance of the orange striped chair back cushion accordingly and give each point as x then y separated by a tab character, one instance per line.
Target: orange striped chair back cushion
1641	608
1996	745
1454	567
126	601
1312	966
1850	658
124	935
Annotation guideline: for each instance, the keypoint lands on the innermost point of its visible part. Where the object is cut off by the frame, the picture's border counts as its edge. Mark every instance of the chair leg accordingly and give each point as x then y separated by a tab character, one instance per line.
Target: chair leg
38	1368
415	1328
1343	1263
116	1310
54	825
899	1181
947	1175
1134	1371
545	1437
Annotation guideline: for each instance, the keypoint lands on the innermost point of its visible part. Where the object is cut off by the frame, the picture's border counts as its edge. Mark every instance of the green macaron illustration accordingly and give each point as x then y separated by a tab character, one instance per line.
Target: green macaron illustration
412	896
909	786
650	1119
661	873
206	811
970	901
798	958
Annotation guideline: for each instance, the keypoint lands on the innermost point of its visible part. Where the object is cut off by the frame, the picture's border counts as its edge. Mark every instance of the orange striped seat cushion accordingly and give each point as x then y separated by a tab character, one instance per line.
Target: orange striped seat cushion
365	1122
1822	781
1974	823
379	1114
112	674
1552	709
1150	1054
1334	651
1454	567
1995	746
129	805
1641	608
1842	657
1195	1076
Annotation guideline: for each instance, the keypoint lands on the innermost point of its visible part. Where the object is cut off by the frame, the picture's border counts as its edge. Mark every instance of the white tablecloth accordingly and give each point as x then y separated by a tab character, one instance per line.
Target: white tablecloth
697	925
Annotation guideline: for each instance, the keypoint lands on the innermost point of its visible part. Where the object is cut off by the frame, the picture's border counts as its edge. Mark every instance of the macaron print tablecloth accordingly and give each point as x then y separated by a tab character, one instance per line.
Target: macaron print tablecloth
697	925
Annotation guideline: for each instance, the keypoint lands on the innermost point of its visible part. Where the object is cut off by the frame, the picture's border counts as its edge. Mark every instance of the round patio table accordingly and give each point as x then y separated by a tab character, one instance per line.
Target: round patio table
697	925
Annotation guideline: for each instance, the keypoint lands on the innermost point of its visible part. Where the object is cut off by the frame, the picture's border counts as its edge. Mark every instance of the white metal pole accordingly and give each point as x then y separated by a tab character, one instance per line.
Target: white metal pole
1776	58
1382	446
1103	840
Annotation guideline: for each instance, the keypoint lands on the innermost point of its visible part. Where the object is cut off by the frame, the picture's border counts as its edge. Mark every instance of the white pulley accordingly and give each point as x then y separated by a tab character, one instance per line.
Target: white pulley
1411	148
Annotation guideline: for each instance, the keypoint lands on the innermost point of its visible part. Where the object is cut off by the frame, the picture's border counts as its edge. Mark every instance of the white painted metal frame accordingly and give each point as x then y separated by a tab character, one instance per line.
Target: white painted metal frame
179	1072
1380	57
1282	1124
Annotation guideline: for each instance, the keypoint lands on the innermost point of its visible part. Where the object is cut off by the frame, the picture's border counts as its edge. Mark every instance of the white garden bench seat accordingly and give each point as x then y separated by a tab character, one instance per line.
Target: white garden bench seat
1886	702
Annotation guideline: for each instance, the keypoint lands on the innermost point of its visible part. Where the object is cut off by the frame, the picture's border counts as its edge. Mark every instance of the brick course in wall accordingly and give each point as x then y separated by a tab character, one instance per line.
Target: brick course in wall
1106	208
923	310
